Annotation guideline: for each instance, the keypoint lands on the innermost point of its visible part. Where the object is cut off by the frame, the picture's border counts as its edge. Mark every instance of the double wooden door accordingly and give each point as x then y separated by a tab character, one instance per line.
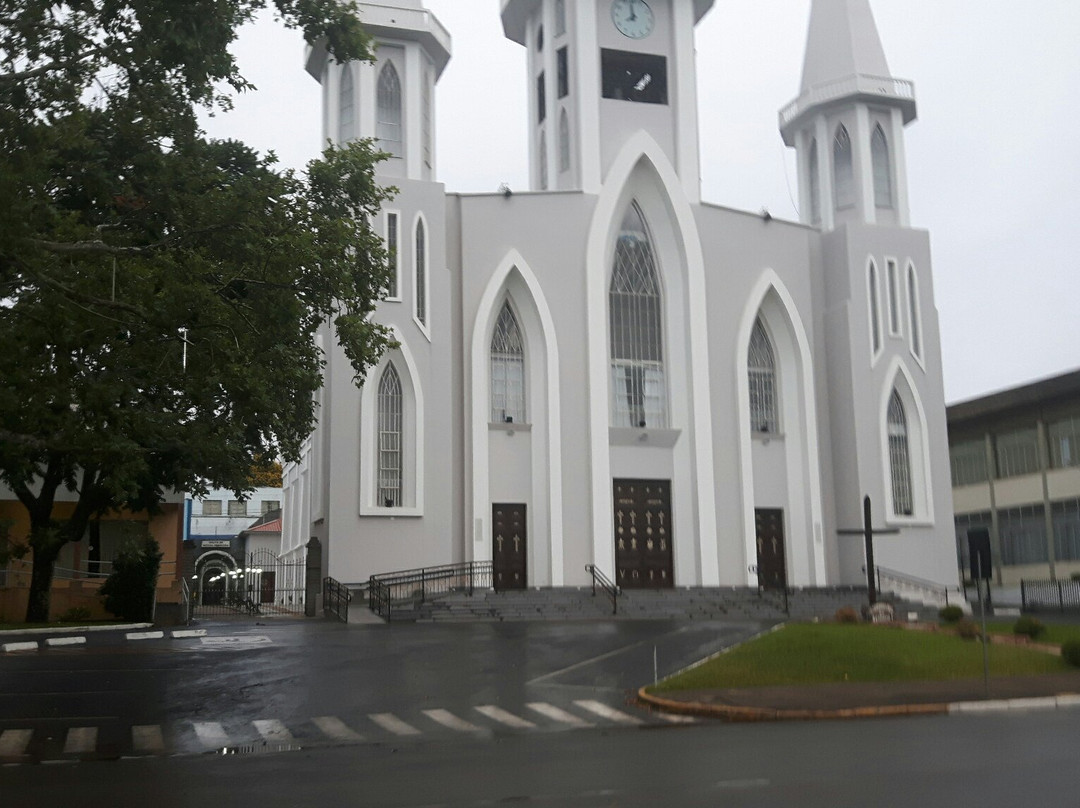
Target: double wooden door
772	564
643	556
510	550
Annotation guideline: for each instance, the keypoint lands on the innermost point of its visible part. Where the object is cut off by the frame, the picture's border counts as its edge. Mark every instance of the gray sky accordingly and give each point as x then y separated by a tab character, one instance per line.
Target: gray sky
992	160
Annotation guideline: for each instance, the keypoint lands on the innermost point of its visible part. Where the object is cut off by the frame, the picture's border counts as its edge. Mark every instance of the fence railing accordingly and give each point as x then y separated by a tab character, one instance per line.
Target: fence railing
911	586
18	572
607	586
395	591
335	598
1062	596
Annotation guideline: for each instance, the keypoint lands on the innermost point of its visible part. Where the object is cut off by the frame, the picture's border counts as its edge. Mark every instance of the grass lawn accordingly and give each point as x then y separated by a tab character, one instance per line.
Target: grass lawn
814	653
1055	634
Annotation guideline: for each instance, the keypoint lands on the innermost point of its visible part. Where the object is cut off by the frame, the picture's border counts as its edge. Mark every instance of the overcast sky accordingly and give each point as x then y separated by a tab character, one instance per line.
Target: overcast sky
993	161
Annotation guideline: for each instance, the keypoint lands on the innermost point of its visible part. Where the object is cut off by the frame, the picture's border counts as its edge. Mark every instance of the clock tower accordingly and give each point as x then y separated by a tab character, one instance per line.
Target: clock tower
600	71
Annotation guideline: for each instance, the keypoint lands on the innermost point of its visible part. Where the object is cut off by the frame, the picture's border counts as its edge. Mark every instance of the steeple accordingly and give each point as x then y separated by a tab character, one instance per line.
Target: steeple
843	41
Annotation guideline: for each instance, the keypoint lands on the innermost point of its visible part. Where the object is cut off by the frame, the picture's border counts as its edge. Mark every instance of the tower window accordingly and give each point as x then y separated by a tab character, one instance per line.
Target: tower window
425	112
814	185
894	297
541	99
388	123
875	310
507	369
879	156
843	170
563	59
915	325
640	77
761	369
564	142
543	163
390	433
540	39
346	106
560	17
421	273
392	253
899	457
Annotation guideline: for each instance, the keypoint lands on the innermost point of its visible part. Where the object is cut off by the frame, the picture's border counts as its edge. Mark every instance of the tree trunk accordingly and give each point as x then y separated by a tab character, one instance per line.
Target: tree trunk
37	607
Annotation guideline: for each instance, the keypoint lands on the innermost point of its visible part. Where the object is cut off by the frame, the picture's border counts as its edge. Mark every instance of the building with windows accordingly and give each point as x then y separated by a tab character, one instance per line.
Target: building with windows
1015	458
608	369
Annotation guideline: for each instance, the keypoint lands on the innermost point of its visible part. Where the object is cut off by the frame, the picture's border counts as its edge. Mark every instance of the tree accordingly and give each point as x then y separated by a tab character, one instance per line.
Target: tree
160	293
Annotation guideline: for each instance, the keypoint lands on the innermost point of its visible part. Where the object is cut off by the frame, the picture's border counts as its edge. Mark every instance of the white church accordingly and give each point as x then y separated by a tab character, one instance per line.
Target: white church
608	369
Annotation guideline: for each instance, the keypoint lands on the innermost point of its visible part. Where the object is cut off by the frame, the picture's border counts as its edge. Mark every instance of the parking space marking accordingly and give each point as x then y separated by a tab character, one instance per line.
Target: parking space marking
450	721
211	734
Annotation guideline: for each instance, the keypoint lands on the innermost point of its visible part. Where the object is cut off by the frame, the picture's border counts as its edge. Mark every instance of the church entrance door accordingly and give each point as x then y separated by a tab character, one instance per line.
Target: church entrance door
772	565
643	557
510	546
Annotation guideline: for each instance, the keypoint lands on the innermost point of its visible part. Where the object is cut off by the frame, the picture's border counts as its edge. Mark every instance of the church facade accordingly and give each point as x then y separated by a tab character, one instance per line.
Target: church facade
608	370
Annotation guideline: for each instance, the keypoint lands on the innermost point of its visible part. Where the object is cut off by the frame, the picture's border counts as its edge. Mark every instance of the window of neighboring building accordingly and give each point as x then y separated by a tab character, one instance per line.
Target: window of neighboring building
964	523
761	368
629	76
507	369
560	17
967	461
1017	452
894	297
914	313
879	156
1066	517
899	457
814	184
639	390
843	169
1065	442
237	508
563	62
268	505
1023	536
875	310
393	226
390	438
211	507
421	273
346	106
541	99
564	142
388	124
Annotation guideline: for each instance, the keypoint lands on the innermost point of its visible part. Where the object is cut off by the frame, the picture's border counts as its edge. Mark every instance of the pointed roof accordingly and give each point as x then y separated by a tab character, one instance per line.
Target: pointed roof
843	41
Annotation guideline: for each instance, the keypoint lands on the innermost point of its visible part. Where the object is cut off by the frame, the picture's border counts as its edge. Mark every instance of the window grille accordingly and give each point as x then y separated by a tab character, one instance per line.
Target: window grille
390	439
507	369
1065	442
913	312
1023	535
875	312
964	523
899	457
1017	453
894	297
564	142
560	17
211	507
761	366
421	272
968	463
543	167
346	106
388	124
1066	516
843	170
237	508
815	185
879	157
392	253
639	389
268	505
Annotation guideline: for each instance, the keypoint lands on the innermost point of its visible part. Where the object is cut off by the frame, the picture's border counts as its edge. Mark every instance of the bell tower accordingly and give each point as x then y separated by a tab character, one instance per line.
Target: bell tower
599	71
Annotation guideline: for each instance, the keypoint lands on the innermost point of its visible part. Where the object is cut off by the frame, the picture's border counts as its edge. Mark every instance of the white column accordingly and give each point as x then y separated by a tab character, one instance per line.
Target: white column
411	103
802	155
687	157
366	78
586	89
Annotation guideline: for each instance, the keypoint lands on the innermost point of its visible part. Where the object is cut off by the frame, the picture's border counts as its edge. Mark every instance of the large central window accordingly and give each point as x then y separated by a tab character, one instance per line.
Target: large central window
638	388
507	369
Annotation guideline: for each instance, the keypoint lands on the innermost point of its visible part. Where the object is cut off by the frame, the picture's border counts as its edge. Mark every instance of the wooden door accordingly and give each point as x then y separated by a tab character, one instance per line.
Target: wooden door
510	549
772	564
643	555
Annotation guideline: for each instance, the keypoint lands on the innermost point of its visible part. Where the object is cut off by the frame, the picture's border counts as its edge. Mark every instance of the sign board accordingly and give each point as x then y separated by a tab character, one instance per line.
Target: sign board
226	543
979	553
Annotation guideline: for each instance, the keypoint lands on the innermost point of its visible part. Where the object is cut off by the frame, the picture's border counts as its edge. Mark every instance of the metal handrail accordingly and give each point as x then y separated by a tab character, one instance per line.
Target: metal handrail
336	599
392	590
912	581
606	584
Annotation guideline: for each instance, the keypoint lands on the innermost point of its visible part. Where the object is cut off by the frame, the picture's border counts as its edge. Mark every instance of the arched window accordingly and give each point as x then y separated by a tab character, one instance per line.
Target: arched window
346	106
564	142
639	392
390	435
388	123
899	457
879	156
560	17
421	273
875	310
543	163
843	169
761	369
915	325
814	185
507	369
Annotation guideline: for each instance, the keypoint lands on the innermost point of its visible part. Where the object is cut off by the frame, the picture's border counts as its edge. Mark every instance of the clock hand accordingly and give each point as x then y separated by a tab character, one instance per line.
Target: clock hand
633	10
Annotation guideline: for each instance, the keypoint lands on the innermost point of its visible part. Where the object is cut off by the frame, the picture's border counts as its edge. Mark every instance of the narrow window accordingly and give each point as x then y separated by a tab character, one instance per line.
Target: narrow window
389	493
879	155
815	185
507	369
388	125
761	368
541	99
843	170
392	253
540	39
1064	443
543	168
563	61
639	390
913	313
426	117
899	457
560	17
564	142
346	106
894	298
421	273
875	313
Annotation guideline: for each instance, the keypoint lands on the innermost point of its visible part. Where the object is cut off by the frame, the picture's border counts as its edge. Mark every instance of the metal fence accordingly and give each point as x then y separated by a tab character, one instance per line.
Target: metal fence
404	591
1060	596
336	597
265	584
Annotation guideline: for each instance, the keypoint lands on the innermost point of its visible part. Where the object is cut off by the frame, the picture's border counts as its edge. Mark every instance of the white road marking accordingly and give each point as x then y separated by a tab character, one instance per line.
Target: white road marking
503	717
14	741
80	740
211	733
53	642
145	635
671	718
610	713
557	714
185	633
19	646
333	727
236	643
272	730
147	738
451	721
391	723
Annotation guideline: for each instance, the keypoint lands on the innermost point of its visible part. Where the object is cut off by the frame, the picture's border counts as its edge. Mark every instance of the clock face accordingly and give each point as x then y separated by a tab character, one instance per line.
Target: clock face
633	18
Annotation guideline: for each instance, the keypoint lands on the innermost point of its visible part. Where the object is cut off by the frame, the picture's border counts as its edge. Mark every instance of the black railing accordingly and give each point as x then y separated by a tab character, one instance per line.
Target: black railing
335	599
901	581
606	585
395	591
1059	596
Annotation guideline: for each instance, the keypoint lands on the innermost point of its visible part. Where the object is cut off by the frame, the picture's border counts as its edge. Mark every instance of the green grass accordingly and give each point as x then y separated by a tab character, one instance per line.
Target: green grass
827	652
1055	634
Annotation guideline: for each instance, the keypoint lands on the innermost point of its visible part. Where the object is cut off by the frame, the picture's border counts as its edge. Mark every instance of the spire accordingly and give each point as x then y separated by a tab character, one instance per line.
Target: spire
843	41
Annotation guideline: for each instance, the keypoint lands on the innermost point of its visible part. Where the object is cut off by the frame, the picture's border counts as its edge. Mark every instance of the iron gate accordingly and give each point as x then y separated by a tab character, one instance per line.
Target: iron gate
263	584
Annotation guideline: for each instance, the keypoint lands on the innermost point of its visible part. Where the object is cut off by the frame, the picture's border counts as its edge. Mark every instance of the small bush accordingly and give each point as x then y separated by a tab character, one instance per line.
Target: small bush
1076	576
951	614
967	629
846	614
129	589
76	614
1028	627
1070	652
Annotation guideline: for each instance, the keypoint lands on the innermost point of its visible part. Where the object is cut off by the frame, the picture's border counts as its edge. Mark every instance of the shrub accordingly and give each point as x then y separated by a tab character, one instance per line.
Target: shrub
1076	576
846	614
967	629
1028	627
129	589
951	614
1070	652
76	614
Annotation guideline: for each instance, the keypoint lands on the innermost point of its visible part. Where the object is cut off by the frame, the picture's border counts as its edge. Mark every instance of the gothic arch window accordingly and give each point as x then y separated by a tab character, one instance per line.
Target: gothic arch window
639	390
388	115
560	17
879	157
420	289
875	309
564	142
843	169
389	494
814	184
914	313
899	457
761	369
346	106
507	369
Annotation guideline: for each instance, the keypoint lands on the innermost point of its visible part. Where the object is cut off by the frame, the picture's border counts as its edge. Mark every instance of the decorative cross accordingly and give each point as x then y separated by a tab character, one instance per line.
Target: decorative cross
867	532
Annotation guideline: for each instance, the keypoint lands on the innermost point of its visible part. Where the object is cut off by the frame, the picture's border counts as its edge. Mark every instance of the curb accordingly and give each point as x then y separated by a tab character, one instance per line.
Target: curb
53	642
21	632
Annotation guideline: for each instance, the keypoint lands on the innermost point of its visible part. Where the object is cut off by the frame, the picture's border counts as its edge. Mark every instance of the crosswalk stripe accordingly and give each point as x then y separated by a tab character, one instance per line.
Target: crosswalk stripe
14	741
80	740
391	723
503	717
610	713
272	730
557	714
333	727
448	719
147	738
211	733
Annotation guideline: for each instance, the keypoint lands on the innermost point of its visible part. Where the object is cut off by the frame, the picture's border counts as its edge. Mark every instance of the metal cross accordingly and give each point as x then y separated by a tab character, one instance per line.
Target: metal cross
867	532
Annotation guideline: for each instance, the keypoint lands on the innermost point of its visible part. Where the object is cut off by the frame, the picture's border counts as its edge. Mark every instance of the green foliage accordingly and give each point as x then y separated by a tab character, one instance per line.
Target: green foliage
846	614
951	614
1028	627
1075	576
1070	652
967	629
76	614
129	589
